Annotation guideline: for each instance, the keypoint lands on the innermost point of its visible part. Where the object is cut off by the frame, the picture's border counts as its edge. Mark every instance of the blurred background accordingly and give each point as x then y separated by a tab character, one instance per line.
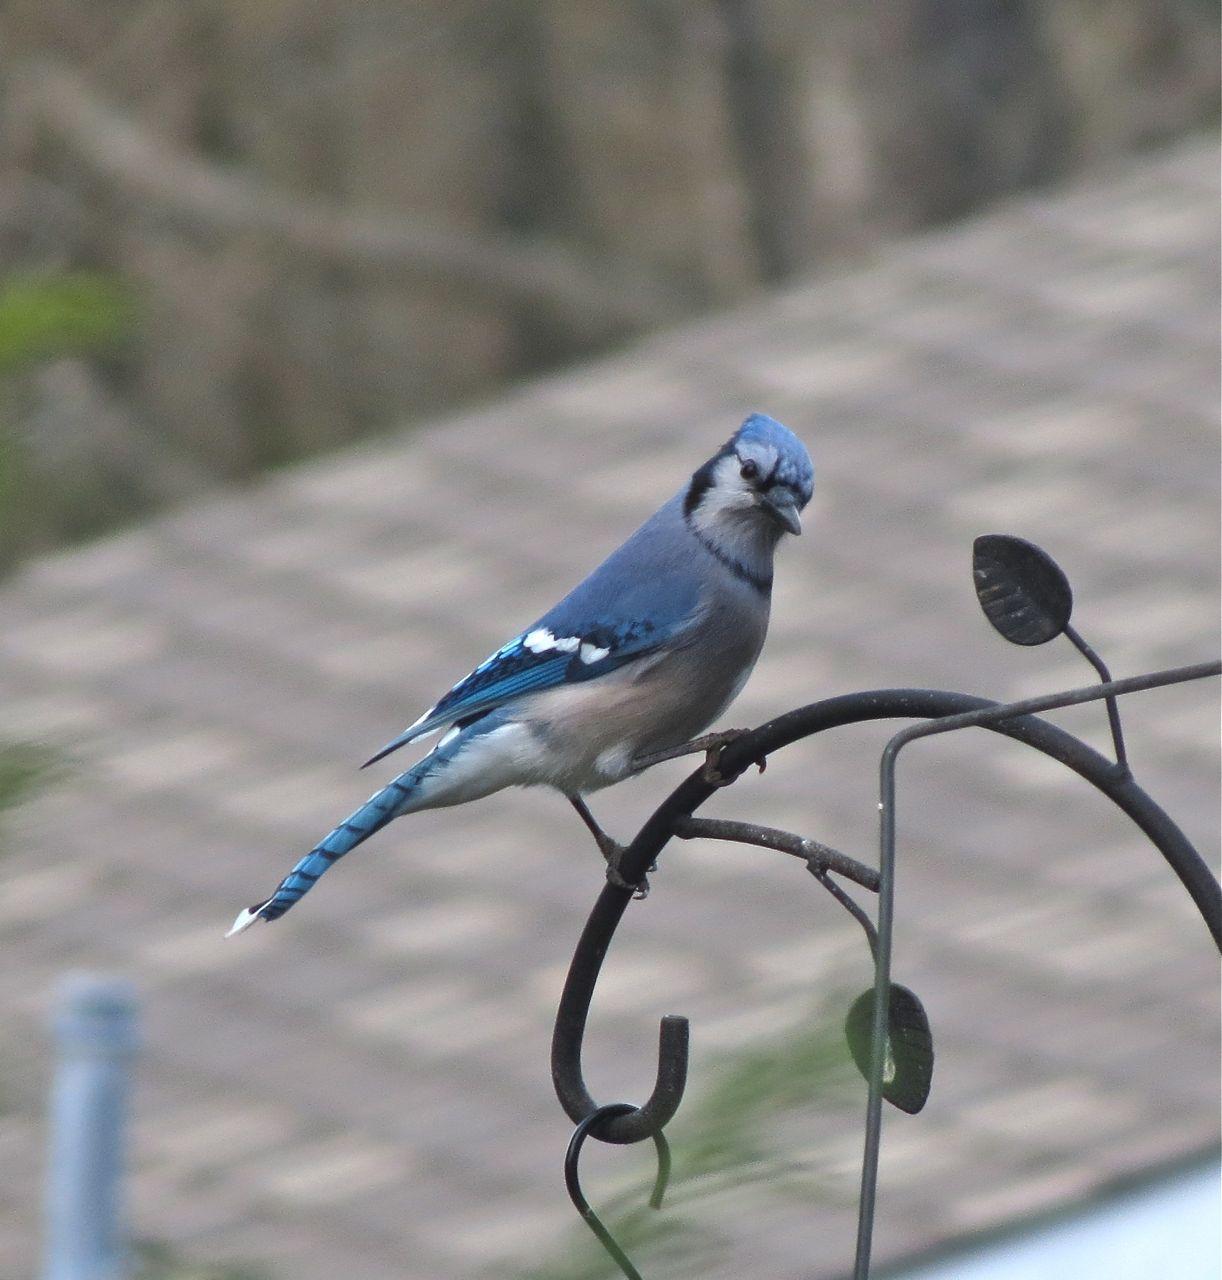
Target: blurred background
316	322
250	233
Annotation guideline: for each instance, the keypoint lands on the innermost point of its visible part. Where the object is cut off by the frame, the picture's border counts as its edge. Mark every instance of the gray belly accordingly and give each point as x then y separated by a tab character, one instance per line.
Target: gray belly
593	731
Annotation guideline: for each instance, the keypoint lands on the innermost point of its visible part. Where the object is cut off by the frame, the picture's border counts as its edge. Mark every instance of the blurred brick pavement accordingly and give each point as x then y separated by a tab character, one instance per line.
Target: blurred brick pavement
362	1090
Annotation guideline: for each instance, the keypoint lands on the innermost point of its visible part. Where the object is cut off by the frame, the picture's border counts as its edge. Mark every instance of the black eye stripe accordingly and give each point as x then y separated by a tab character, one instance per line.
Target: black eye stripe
751	470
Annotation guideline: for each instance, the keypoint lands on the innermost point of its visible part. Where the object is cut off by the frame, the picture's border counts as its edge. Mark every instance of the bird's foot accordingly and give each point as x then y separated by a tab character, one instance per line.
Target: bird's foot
614	852
639	891
710	743
611	850
713	744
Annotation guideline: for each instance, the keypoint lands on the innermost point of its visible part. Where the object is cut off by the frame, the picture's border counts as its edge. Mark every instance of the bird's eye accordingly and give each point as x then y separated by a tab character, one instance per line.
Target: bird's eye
750	469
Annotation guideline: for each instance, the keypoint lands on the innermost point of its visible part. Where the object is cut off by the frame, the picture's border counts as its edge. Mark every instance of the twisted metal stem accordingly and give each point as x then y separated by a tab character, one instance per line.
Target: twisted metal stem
572	1181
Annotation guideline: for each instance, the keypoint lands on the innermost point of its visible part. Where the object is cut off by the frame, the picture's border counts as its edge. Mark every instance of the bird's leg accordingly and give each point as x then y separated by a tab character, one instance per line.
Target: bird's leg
711	744
610	849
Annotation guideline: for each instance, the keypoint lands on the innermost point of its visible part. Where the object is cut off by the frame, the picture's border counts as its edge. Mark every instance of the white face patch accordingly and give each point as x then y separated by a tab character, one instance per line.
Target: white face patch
541	640
728	493
592	653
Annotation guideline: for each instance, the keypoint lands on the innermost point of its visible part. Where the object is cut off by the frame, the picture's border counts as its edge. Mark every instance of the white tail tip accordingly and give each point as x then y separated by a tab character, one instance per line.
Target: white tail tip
245	919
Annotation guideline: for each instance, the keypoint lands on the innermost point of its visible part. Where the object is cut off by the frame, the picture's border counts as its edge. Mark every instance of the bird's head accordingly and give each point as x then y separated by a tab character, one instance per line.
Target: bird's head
754	487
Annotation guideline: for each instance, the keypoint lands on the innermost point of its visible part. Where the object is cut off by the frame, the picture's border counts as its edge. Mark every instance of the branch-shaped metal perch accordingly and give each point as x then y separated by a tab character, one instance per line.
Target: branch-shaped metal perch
879	704
942	711
1027	598
812	852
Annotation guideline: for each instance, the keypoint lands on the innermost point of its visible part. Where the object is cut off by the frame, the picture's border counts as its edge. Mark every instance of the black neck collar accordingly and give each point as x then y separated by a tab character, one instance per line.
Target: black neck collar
744	573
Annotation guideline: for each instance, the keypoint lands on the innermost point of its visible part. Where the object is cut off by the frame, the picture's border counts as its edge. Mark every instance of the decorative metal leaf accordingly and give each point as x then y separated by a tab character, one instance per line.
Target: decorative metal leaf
908	1062
1022	590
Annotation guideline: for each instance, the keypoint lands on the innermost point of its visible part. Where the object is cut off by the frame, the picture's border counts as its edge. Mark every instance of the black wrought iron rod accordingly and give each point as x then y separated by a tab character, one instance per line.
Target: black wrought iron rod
783	841
1113	710
1116	782
572	1180
642	1122
740	755
1052	701
849	904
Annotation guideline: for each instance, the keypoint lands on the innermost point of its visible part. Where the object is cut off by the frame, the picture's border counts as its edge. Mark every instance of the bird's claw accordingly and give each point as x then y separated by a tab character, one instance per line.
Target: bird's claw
639	891
614	852
711	772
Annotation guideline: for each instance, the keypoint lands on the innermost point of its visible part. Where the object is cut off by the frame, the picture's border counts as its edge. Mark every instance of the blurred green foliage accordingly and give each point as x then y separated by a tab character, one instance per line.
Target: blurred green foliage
24	767
45	317
158	1261
731	1137
70	313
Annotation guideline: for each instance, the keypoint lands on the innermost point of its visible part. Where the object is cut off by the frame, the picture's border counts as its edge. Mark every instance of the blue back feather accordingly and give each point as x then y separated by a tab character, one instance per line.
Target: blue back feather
634	603
638	600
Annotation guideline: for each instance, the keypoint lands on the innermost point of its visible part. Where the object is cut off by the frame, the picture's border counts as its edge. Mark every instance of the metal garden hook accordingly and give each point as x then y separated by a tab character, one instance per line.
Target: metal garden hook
624	1123
1027	598
571	1180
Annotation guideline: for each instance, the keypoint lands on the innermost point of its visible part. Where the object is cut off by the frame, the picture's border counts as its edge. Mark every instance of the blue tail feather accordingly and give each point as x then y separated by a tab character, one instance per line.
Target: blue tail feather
414	789
383	806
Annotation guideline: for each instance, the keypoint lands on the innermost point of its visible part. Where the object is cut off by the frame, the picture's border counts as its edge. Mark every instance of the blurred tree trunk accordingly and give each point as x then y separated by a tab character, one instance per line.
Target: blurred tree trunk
371	211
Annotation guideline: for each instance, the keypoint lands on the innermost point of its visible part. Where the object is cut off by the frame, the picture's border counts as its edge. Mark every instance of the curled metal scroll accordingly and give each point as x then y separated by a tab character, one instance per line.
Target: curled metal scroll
572	1181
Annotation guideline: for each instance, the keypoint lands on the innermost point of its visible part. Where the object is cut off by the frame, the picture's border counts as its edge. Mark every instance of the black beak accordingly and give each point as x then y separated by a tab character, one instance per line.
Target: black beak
782	506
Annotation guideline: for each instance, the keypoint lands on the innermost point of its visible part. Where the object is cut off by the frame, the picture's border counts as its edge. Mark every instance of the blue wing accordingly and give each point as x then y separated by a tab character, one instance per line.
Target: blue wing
637	602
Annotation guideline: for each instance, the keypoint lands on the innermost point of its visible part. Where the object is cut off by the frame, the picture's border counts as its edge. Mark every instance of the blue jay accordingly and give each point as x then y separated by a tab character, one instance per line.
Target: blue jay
627	669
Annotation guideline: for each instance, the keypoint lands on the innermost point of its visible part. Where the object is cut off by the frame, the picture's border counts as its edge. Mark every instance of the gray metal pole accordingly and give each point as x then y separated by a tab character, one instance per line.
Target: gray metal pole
95	1032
